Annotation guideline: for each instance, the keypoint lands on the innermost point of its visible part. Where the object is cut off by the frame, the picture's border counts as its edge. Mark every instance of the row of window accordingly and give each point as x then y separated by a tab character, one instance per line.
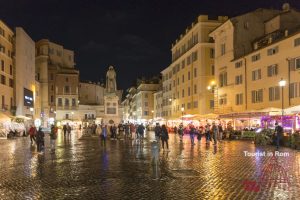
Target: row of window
257	95
185	47
190	59
169	88
272	70
3	34
3	67
3	102
10	81
66	101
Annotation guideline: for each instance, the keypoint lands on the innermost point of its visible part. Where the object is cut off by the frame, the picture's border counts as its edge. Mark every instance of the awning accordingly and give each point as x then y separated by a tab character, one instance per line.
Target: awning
244	115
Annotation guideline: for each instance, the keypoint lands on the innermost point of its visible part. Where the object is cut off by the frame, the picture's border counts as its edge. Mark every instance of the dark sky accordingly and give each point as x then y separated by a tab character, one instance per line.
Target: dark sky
134	36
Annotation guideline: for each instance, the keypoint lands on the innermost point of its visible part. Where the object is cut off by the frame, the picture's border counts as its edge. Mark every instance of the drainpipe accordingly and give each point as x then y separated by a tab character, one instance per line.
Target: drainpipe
289	79
246	92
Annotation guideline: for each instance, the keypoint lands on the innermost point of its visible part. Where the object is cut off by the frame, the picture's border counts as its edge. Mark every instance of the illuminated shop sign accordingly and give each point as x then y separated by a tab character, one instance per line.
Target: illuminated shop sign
28	98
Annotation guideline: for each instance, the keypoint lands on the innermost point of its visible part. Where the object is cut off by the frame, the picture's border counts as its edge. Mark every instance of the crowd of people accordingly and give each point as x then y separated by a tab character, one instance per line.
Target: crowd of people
211	132
37	136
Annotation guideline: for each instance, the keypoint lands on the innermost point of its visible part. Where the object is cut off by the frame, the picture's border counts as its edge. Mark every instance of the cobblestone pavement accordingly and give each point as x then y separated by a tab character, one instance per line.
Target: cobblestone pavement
82	168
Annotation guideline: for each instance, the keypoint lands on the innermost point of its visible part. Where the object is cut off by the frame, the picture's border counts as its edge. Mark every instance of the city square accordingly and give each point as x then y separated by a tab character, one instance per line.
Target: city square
82	168
149	99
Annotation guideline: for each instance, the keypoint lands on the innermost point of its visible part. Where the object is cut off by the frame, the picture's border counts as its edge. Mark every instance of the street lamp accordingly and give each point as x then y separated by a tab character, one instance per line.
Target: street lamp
282	83
182	110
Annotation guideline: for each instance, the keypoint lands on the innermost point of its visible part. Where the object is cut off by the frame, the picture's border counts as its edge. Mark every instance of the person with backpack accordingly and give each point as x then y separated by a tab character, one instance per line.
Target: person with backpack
278	133
157	131
164	137
53	136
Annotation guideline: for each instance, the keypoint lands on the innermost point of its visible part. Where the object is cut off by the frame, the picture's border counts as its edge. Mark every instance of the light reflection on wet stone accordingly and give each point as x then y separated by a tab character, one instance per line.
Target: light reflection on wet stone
86	169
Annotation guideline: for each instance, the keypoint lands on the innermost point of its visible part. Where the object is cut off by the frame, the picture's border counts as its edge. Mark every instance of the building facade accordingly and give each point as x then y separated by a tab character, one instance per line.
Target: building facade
185	80
248	80
91	93
26	104
59	81
7	70
158	105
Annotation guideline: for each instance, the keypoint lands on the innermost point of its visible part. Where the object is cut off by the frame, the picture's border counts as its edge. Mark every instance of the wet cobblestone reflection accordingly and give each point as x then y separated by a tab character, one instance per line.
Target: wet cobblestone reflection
83	168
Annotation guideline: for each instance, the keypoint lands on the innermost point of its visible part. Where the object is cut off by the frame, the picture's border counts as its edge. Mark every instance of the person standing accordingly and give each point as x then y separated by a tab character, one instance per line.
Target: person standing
132	131
99	130
157	131
126	130
32	133
40	139
65	130
175	129
69	129
164	137
192	134
215	132
53	136
199	134
278	133
103	134
180	131
207	133
220	131
141	130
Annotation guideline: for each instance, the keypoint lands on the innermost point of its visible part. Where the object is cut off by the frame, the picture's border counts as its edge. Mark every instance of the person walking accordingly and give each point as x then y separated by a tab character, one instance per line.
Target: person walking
53	136
180	132
278	133
164	137
40	139
192	134
65	130
32	133
157	131
215	132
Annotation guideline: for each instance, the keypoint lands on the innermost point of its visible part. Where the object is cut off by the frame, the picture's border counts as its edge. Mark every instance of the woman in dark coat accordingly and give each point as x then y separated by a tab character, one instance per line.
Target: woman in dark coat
164	136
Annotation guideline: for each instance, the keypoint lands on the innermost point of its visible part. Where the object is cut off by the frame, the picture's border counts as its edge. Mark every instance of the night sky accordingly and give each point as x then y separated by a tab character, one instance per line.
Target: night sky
134	36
